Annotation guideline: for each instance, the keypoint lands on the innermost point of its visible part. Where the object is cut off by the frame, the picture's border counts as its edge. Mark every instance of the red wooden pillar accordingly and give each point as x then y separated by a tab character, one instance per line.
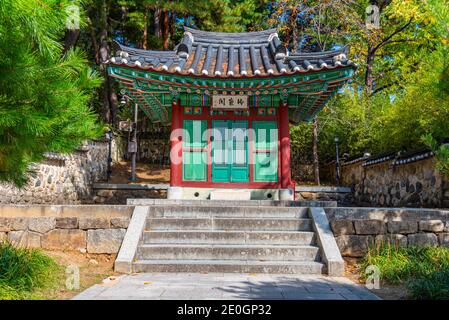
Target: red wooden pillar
284	138
176	145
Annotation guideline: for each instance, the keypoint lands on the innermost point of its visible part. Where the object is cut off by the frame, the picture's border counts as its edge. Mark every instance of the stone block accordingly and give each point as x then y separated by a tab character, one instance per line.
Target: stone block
104	240
403	227
94	223
230	195
3	236
120	223
446	227
431	225
18	224
42	224
5	224
64	239
393	239
342	227
353	245
25	239
422	239
365	227
105	193
444	239
97	199
66	223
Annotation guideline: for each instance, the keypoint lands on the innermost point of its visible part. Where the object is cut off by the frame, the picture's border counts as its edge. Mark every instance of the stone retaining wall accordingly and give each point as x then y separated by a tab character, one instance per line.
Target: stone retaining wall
119	196
342	198
356	229
92	229
101	228
415	184
62	179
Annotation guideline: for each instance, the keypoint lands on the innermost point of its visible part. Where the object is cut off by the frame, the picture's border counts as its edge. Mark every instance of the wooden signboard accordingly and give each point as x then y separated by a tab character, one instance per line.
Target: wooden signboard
225	102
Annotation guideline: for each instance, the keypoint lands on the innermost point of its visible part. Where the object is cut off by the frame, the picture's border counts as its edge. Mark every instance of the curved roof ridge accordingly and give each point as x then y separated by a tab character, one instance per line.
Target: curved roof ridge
208	34
236	54
327	53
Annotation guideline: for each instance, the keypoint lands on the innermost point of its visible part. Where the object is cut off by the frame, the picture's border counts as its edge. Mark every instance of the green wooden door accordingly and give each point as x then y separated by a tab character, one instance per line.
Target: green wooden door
194	150
239	164
221	170
265	151
230	151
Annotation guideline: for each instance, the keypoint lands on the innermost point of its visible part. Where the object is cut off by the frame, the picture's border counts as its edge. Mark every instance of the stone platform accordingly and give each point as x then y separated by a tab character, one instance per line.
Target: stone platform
219	286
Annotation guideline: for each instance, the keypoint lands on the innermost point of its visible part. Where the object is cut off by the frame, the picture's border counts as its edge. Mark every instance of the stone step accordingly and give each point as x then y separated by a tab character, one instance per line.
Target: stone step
231	266
247	224
229	237
225	212
230	203
227	252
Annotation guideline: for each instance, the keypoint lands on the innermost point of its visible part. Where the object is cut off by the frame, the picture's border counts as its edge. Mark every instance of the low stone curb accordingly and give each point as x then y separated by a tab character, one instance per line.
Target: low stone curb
329	249
125	258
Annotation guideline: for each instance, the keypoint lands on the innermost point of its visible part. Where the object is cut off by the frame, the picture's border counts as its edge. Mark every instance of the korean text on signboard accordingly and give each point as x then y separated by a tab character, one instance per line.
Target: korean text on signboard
223	102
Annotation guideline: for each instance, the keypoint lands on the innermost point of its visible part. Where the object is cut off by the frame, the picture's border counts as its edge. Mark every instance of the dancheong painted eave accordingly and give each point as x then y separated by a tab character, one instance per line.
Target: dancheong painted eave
254	64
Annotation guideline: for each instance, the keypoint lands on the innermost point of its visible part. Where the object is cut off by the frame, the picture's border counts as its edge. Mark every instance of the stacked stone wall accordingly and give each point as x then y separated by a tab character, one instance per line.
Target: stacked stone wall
358	229
416	184
91	229
62	179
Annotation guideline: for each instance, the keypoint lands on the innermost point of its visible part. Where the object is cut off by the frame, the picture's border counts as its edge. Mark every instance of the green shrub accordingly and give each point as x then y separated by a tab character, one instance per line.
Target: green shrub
425	270
23	271
434	286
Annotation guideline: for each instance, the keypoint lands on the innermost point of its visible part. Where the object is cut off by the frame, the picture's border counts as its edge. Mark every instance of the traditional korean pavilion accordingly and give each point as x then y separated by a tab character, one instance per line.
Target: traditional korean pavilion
229	99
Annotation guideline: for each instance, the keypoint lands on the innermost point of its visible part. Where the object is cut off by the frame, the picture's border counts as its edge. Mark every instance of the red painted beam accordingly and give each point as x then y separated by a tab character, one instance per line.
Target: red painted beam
176	146
284	138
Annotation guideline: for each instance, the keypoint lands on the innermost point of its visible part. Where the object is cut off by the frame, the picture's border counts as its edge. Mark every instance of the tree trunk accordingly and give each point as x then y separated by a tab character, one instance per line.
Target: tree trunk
93	38
165	29
103	55
113	103
369	83
316	163
145	30
157	23
295	40
172	25
70	39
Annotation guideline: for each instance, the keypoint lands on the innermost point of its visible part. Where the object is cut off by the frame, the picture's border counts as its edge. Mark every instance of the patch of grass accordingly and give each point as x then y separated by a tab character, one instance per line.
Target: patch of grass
432	287
24	272
425	270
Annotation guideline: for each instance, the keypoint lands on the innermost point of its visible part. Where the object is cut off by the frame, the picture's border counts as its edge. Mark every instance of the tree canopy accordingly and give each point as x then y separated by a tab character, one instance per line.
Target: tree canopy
44	94
50	98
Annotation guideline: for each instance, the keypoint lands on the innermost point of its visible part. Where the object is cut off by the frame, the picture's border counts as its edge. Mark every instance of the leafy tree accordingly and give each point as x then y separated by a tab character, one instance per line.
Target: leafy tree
441	153
400	91
44	94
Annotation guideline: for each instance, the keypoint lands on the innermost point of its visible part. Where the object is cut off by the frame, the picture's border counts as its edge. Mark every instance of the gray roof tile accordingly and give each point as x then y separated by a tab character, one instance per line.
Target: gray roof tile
220	54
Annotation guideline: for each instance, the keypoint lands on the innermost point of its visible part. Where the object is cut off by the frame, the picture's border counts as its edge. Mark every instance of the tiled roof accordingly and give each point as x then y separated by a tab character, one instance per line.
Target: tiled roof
219	54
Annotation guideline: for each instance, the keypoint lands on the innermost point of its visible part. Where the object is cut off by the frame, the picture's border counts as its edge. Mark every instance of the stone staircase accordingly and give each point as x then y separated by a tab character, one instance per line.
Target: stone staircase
225	238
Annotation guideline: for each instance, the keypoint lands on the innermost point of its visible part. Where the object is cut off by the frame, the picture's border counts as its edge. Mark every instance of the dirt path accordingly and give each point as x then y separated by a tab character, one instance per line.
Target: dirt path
146	173
93	268
386	291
